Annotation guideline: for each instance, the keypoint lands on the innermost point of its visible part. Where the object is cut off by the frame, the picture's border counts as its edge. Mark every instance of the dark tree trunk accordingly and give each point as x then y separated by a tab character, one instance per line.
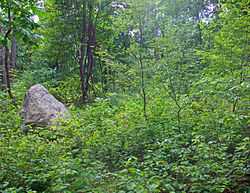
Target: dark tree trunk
6	55
2	67
7	72
88	43
83	50
13	53
143	87
89	58
1	62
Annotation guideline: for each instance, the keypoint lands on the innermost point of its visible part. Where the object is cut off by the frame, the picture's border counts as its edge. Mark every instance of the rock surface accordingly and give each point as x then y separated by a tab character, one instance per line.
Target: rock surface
41	108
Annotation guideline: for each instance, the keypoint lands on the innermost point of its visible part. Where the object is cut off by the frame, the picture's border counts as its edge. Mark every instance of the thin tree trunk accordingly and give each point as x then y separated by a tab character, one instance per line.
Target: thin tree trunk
90	56
89	60
143	88
142	74
7	74
13	53
2	69
83	50
6	57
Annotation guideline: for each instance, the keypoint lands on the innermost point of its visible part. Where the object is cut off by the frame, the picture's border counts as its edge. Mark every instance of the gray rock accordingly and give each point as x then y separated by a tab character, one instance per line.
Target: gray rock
41	108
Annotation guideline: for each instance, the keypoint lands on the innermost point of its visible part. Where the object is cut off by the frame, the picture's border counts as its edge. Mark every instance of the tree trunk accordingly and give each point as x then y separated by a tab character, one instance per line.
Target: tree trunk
13	53
6	55
143	87
89	58
7	74
2	68
83	50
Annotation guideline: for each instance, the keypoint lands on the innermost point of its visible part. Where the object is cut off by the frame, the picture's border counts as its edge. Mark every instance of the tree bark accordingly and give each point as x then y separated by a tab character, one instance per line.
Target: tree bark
7	73
143	87
6	55
2	69
13	53
83	50
89	58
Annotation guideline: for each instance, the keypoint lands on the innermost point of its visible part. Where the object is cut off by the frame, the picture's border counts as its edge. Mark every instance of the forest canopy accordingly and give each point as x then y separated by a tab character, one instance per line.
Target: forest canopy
157	92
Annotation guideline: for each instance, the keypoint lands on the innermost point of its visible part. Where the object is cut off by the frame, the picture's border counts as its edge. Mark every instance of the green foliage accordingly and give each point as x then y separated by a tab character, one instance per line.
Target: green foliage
195	138
16	16
109	148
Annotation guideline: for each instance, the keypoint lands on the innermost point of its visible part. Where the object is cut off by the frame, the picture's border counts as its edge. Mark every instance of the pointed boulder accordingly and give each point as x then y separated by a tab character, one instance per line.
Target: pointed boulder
41	108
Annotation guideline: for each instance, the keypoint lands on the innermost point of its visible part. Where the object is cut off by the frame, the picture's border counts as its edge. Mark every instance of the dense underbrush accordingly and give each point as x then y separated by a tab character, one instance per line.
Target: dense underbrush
108	147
